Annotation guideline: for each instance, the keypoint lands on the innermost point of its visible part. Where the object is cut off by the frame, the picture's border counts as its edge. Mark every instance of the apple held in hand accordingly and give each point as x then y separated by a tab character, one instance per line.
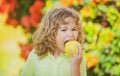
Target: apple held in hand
71	46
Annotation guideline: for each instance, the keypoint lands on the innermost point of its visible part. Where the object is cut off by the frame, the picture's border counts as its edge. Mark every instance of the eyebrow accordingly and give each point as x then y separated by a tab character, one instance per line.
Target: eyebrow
75	28
63	27
66	27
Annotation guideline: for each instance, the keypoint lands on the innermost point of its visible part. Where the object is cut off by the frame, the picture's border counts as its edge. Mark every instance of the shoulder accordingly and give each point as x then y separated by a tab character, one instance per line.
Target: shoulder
32	54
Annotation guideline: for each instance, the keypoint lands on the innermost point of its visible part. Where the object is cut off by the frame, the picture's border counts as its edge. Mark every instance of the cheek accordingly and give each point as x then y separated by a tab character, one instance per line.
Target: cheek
59	39
76	35
59	42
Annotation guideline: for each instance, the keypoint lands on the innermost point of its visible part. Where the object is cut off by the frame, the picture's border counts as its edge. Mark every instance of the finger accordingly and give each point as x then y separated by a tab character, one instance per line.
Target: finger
72	54
77	49
71	51
80	50
80	53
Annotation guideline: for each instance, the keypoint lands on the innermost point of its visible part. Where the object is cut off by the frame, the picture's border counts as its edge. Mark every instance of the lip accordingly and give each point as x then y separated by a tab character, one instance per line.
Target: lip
66	41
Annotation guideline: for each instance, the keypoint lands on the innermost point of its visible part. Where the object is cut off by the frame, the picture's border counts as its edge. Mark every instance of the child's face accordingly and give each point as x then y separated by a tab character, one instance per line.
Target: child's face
67	32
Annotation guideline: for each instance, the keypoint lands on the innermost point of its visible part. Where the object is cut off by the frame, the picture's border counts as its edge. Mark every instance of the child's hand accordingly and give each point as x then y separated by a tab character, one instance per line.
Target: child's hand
76	58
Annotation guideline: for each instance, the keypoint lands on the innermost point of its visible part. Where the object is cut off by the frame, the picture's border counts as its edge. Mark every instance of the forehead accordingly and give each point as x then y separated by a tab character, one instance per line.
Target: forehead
69	20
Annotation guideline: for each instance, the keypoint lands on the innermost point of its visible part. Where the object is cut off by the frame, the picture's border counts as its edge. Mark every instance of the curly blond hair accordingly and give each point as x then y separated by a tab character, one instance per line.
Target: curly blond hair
45	35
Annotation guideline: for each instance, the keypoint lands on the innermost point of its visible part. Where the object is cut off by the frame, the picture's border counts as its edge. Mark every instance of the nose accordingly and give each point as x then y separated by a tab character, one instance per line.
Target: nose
70	34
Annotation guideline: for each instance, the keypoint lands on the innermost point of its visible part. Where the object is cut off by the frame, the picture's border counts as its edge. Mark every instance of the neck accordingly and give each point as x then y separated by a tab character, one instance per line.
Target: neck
56	54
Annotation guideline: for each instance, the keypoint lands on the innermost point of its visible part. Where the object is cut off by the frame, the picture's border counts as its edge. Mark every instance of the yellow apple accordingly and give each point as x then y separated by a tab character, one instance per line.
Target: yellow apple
71	46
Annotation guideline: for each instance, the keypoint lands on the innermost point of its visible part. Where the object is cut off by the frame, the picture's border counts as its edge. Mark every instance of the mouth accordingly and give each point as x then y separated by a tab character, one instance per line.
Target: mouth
66	42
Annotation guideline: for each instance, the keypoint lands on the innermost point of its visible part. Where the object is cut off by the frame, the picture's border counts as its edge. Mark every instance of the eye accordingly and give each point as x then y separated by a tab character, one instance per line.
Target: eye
74	29
63	29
